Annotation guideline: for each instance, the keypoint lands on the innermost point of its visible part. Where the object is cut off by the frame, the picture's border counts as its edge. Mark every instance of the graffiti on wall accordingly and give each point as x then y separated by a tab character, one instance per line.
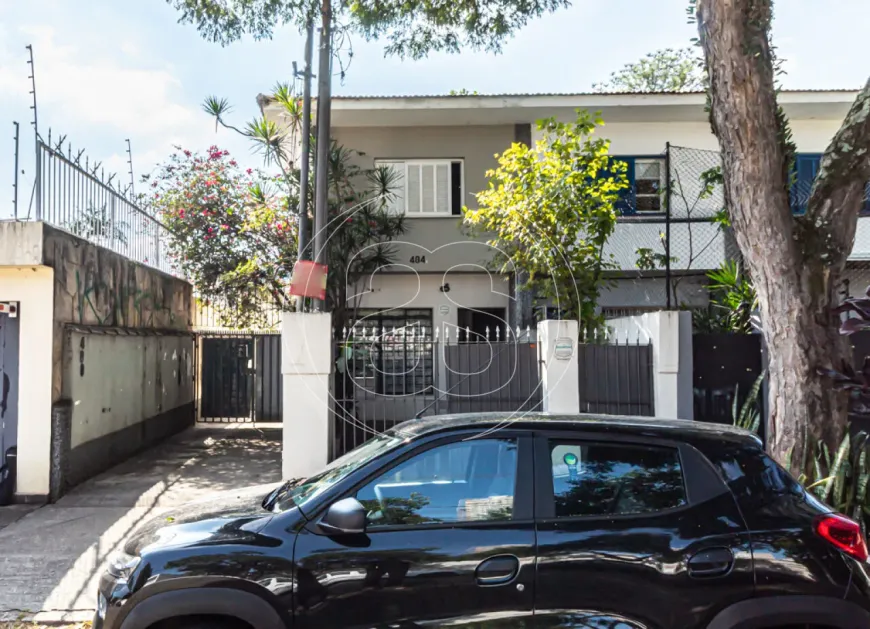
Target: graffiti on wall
94	286
128	304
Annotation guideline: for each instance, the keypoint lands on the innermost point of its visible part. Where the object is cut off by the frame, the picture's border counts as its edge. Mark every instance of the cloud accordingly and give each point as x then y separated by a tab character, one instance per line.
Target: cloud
98	84
106	90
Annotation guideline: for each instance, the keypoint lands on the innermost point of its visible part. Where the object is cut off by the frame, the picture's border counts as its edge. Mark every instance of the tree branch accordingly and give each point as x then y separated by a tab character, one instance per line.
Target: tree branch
838	192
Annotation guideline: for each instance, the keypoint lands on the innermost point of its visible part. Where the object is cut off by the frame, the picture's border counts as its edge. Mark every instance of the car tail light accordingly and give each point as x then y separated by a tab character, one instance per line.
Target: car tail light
843	533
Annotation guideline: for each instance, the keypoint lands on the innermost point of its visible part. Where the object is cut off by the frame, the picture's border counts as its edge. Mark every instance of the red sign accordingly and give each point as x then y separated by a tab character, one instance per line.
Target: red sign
309	279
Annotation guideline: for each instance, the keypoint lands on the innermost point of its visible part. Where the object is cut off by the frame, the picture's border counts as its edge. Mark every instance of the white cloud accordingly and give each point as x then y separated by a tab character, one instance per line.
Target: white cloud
99	87
108	90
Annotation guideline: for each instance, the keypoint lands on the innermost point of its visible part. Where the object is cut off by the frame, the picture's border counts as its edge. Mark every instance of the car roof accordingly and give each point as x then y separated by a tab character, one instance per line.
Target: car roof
656	427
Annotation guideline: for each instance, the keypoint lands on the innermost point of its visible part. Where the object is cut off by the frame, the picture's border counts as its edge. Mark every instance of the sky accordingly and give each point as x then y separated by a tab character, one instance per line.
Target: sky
111	70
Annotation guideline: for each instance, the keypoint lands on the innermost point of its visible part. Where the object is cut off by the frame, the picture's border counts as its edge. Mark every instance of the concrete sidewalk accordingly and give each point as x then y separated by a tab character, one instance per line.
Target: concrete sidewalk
51	557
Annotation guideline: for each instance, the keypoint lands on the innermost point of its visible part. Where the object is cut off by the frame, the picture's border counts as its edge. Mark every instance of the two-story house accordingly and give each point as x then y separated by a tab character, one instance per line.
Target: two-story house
442	146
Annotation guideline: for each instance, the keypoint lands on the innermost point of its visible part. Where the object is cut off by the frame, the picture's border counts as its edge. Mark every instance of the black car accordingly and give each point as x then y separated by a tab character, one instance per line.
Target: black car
501	521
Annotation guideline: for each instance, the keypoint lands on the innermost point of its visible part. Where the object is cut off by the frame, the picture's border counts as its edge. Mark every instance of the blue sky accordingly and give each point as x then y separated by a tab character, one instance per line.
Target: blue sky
108	70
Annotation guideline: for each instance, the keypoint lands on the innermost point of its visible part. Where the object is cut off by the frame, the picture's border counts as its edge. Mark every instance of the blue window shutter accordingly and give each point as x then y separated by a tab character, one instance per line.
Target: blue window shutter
626	205
806	169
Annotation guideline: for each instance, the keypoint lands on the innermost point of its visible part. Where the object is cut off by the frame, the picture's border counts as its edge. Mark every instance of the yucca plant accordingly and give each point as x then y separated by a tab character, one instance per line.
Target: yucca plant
748	416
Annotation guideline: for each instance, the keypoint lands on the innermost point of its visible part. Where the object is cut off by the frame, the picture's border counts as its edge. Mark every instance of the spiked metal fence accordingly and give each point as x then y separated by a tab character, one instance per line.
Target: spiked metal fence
387	376
78	197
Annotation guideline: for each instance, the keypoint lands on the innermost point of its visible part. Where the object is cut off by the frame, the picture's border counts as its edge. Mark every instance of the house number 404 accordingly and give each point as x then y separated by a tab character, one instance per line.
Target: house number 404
418	259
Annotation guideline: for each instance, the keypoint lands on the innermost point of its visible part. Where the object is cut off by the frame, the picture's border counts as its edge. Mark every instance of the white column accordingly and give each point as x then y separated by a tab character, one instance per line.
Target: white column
672	364
306	369
670	334
557	352
33	288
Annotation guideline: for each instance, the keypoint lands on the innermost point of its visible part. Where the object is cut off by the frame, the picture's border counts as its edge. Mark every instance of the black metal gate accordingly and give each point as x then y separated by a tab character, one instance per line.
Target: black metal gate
616	379
384	377
240	377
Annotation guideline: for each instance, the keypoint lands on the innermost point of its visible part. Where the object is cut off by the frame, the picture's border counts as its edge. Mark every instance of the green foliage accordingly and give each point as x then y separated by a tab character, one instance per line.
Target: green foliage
841	479
748	416
463	92
225	21
666	70
413	28
732	301
550	210
232	232
648	259
95	224
359	226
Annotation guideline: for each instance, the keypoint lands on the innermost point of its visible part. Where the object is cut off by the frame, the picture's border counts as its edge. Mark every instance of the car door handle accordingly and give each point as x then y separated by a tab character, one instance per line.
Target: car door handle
712	562
497	570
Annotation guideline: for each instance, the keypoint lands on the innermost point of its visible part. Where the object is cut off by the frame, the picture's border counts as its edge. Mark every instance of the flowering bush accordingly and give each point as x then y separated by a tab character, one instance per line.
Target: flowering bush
235	231
233	234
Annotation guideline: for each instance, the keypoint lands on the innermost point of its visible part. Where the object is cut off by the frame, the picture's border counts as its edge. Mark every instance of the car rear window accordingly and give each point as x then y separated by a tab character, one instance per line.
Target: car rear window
753	477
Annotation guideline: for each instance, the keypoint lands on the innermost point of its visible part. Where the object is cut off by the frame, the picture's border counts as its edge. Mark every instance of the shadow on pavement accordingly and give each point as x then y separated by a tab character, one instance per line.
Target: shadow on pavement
51	558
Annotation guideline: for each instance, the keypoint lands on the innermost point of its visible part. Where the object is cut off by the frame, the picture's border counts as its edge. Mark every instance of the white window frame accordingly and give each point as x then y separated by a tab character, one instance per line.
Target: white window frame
662	164
406	163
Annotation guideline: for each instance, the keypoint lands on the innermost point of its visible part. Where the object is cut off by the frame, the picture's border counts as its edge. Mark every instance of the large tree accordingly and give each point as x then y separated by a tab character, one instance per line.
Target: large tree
665	70
796	262
412	28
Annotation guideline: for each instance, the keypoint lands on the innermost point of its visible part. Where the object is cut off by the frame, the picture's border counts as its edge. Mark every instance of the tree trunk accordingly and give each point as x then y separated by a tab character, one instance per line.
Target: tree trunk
795	263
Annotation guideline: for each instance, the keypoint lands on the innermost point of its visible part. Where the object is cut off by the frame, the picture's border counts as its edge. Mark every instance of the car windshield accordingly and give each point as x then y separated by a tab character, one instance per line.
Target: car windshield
296	493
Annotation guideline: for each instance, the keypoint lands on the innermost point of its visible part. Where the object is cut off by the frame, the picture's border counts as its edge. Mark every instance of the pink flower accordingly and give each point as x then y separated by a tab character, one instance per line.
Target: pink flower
250	171
233	162
187	153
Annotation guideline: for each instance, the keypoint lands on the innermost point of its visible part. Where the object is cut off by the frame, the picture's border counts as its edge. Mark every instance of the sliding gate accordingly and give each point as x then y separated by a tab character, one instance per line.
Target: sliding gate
239	377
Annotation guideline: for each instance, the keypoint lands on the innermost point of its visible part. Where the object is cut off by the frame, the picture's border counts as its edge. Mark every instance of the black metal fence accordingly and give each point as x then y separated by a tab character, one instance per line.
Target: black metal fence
78	197
239	377
725	366
384	377
616	379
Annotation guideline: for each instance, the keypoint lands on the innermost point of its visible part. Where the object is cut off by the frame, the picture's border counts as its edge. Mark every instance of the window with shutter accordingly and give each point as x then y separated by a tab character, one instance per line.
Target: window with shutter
646	182
428	187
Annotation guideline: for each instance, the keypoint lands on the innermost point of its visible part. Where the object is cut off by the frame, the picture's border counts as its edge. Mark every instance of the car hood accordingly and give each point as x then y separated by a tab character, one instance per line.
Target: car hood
220	518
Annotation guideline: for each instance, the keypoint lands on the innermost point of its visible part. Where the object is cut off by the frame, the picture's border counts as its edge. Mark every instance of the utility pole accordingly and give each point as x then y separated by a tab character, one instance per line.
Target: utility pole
321	167
305	159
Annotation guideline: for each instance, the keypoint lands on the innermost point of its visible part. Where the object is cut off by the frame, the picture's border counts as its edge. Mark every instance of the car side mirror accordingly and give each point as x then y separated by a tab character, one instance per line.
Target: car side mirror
345	517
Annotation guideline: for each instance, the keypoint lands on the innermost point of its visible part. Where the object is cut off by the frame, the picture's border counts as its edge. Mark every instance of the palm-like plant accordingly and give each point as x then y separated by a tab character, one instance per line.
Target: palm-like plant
359	228
732	301
748	416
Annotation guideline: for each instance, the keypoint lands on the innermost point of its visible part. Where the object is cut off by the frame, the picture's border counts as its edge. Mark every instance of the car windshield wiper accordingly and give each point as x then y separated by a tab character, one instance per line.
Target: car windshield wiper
270	500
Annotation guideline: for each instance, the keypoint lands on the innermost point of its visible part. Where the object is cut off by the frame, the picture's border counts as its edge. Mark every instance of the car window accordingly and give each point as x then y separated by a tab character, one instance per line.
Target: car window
604	479
464	481
296	493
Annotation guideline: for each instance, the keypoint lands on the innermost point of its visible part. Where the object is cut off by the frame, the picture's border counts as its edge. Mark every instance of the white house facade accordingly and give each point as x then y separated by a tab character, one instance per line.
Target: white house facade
442	147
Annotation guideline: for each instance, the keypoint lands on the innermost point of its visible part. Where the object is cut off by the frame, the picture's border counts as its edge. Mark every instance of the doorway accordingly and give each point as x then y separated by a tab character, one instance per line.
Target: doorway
481	324
9	345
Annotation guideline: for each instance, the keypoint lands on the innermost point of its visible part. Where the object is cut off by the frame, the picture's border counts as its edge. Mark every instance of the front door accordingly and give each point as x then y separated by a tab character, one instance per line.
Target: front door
635	536
450	541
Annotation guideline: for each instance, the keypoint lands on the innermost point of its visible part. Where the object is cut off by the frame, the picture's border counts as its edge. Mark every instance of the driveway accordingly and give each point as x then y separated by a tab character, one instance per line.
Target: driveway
51	557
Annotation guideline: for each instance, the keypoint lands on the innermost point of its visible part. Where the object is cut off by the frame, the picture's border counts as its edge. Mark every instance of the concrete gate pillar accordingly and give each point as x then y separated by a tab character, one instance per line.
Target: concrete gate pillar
560	375
306	371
